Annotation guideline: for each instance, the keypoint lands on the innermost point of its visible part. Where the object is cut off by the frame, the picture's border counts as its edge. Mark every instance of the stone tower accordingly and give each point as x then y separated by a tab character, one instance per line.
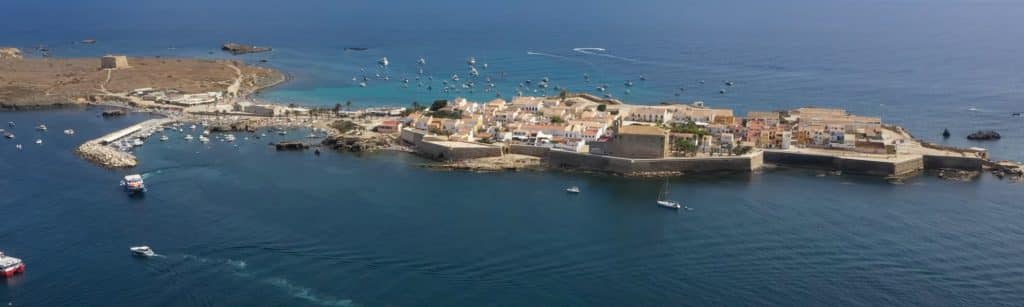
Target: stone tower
114	62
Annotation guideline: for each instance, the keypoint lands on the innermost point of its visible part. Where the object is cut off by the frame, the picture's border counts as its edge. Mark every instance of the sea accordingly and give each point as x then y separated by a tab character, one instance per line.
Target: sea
240	224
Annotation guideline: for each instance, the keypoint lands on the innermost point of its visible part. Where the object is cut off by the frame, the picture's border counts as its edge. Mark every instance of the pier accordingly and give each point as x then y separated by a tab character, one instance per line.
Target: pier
119	134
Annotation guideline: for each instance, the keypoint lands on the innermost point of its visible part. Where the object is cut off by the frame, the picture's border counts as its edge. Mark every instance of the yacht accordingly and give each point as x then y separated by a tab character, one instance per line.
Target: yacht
164	138
573	189
8	135
206	132
133	184
664	201
193	127
188	137
142	251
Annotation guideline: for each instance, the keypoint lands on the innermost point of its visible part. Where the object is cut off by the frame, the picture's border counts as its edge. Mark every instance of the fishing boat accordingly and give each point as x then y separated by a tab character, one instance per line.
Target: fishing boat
9	266
664	201
142	251
573	189
133	184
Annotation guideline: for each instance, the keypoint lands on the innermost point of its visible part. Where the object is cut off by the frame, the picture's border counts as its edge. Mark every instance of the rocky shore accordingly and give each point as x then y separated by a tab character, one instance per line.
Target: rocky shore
236	48
106	156
509	162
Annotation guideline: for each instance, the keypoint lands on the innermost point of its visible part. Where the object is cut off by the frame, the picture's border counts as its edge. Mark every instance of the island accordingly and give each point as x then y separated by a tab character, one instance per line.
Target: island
236	49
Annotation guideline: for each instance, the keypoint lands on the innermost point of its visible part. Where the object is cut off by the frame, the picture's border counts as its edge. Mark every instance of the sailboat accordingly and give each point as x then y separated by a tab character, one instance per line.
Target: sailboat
664	201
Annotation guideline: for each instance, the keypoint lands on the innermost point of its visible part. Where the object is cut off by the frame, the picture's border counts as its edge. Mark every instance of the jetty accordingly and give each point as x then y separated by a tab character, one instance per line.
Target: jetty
98	150
143	126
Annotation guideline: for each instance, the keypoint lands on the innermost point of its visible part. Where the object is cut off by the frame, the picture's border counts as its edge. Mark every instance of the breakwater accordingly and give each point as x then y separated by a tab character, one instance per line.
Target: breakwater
642	167
894	167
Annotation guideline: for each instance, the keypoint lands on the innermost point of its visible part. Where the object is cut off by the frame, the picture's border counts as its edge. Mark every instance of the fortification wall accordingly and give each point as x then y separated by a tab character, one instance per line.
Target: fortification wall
846	165
442	152
961	163
598	163
411	136
535	151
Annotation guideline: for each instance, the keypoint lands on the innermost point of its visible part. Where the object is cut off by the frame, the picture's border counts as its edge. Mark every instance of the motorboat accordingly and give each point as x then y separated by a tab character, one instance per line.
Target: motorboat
138	142
188	137
573	189
383	62
39	141
69	131
204	139
164	138
8	135
142	251
41	127
9	266
18	146
133	184
664	201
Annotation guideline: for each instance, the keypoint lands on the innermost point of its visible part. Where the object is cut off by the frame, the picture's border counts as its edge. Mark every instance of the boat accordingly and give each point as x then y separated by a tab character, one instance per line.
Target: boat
573	189
8	135
471	61
39	141
664	201
41	127
69	131
164	138
18	146
204	139
383	62
312	136
10	265
142	251
193	127
10	124
282	132
133	183
188	137
206	132
422	62
138	142
229	137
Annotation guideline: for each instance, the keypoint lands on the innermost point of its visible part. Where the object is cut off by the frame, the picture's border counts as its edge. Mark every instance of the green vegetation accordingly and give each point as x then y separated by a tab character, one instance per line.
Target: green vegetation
345	126
557	120
602	107
685	145
447	114
742	150
689	127
438	104
416	107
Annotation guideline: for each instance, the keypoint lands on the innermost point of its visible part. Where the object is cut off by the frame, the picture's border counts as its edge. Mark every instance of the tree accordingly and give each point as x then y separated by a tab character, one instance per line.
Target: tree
438	104
685	146
557	120
563	94
348	104
337	107
602	107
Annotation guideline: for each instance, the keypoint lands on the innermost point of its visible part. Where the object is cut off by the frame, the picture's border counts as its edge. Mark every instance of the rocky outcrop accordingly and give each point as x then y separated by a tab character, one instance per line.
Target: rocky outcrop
984	135
106	156
291	145
236	49
241	126
10	53
957	175
113	113
359	143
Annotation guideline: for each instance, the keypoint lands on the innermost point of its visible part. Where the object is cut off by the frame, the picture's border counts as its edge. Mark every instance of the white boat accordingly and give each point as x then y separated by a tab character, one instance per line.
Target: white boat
422	62
193	127
39	141
41	127
188	137
471	61
229	137
138	142
10	266
142	251
383	62
133	184
573	189
282	132
204	139
206	132
664	201
312	136
164	138
69	131
18	146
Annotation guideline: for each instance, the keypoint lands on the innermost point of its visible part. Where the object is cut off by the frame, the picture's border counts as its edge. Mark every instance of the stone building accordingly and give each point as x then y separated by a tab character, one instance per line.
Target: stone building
114	62
642	142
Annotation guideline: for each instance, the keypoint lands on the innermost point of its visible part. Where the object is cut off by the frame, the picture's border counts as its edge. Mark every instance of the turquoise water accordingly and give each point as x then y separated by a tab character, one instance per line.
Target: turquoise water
251	226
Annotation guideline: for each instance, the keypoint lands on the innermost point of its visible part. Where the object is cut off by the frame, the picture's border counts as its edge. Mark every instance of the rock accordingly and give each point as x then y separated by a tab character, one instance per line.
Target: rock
112	113
10	53
106	156
984	135
291	145
236	49
957	175
358	143
945	133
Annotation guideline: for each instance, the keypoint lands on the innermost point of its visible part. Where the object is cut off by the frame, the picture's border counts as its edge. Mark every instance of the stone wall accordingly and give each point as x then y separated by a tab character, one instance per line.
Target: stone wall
961	163
438	151
412	136
528	150
846	165
609	164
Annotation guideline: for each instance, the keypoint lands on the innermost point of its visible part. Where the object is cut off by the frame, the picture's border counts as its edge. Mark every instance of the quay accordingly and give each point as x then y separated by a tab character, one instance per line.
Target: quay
143	126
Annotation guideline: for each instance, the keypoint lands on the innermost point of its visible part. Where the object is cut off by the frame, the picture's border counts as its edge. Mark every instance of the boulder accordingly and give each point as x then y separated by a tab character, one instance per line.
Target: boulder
984	135
291	145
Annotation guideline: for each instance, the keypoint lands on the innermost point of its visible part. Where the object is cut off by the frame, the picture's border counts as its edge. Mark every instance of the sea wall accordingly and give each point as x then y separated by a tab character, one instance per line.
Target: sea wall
609	164
948	162
847	165
527	150
445	151
412	136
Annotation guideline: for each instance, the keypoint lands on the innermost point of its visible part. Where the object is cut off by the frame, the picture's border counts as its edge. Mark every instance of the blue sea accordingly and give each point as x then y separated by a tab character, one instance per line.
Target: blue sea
249	226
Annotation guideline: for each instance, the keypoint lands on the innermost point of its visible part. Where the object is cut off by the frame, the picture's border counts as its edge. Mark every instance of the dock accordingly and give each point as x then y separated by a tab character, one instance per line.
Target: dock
119	134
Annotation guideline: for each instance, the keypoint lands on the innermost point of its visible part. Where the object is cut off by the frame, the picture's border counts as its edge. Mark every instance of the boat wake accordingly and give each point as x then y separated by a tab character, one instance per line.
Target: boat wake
545	54
239	268
602	52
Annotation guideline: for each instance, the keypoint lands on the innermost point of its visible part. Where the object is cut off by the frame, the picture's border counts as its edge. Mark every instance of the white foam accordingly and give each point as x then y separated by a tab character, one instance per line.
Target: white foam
306	293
